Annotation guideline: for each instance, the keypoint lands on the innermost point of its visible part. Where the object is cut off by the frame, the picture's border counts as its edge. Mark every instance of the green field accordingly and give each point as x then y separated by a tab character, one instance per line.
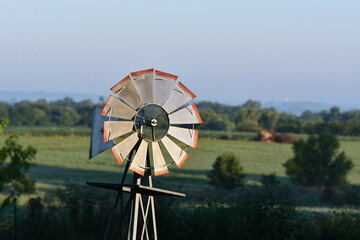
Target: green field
61	160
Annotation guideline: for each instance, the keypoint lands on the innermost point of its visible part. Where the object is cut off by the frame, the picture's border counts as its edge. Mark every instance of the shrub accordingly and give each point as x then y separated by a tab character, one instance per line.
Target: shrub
226	172
318	163
269	180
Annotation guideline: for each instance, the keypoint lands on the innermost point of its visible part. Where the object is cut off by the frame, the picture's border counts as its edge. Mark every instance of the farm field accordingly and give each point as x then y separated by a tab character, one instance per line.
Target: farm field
61	160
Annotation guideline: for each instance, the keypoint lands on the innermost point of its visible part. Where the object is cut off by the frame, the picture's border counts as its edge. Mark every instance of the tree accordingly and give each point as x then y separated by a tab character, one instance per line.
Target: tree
247	120
64	116
226	172
288	123
15	172
268	118
251	104
3	124
214	121
318	163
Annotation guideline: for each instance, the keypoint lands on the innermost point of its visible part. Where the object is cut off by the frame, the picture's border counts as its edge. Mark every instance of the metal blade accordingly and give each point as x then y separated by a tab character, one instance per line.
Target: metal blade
122	149
179	96
164	83
116	108
185	135
139	163
187	115
160	167
126	90
97	145
144	83
177	154
114	129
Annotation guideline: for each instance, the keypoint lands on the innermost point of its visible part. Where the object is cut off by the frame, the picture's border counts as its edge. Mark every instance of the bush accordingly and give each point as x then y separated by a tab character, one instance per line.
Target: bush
226	172
318	163
269	180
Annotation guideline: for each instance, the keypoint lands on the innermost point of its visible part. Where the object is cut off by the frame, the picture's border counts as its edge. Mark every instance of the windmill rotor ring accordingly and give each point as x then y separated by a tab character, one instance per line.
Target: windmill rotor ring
153	116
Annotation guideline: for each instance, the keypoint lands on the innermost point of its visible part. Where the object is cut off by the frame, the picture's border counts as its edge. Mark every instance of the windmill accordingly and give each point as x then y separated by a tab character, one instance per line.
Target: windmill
147	114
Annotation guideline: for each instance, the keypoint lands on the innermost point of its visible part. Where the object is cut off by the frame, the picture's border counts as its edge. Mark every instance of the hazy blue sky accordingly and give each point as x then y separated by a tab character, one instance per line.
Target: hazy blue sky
225	51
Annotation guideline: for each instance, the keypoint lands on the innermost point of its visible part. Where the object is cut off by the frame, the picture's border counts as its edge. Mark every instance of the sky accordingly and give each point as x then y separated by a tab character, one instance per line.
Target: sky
223	51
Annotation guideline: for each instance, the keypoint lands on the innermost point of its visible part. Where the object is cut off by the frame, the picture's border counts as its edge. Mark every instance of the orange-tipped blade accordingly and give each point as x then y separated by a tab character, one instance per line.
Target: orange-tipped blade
187	115
122	149
185	135
139	163
116	108
114	129
144	83
164	83
179	96
160	167
125	89
177	154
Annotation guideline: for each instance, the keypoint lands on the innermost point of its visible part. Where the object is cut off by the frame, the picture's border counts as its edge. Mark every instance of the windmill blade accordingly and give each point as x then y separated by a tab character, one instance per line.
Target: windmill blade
122	149
185	135
144	83
126	90
116	108
164	83
179	96
114	129
187	115
139	162
177	154
160	167
97	146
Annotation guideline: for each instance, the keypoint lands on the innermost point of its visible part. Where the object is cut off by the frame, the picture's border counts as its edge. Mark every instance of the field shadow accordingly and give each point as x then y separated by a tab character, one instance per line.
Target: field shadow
194	183
59	176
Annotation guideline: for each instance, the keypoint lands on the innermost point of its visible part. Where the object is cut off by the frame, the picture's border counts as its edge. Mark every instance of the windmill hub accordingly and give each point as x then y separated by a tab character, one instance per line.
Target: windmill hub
154	122
151	122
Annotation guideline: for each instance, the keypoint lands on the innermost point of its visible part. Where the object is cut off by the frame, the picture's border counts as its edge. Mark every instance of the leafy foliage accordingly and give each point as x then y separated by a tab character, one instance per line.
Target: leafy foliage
3	124
318	163
15	172
226	172
247	117
216	121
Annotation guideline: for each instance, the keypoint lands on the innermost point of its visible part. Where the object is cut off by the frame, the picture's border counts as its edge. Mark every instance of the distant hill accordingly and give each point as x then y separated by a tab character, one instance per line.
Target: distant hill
16	96
297	108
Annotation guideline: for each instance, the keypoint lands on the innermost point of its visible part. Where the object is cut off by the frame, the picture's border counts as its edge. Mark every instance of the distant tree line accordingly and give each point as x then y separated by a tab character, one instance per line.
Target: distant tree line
248	117
251	117
65	112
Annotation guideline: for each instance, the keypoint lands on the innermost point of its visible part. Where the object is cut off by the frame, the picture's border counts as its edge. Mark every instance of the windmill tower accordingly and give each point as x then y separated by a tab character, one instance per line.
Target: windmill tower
148	113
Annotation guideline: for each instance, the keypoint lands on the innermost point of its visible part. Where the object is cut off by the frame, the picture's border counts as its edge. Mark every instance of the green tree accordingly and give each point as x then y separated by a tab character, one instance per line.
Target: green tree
317	162
3	110
268	119
226	172
247	120
252	104
214	121
64	116
288	123
3	124
14	173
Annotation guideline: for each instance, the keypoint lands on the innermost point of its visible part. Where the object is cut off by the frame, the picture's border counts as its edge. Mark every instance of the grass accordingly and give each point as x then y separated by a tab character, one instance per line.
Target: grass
48	131
60	159
63	159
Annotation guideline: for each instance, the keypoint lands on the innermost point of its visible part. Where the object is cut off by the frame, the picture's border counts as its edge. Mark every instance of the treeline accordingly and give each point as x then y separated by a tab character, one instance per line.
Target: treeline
251	117
248	117
65	112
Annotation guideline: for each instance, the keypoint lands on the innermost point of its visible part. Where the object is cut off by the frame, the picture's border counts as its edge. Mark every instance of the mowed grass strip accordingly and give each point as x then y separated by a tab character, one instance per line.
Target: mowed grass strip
65	159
